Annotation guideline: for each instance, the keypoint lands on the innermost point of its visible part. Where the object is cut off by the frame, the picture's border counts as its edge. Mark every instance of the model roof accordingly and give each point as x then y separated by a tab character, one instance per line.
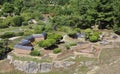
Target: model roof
23	47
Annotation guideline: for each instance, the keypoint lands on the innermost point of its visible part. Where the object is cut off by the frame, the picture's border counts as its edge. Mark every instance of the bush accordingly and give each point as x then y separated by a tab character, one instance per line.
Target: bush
67	46
25	23
88	33
88	30
8	7
96	34
3	25
73	44
116	29
93	38
56	50
47	43
72	34
35	53
8	35
56	37
17	21
78	30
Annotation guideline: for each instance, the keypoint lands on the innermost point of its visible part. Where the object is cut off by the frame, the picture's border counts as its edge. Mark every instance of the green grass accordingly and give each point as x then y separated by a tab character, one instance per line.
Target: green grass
31	59
81	58
13	72
109	54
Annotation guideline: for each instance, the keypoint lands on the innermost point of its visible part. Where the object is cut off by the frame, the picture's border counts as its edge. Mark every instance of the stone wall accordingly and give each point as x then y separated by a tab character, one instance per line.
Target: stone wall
34	67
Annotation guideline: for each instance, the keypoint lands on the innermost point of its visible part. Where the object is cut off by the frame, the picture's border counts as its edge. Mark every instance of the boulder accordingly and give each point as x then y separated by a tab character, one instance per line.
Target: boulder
45	67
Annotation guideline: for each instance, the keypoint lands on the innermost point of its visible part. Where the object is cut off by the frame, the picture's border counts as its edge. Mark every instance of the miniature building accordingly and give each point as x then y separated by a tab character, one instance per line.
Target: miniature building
38	37
22	49
80	37
25	42
30	38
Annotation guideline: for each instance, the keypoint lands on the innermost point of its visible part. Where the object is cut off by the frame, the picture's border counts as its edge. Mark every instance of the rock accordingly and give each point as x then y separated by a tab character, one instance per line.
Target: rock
32	67
88	63
9	57
57	65
67	63
45	67
28	67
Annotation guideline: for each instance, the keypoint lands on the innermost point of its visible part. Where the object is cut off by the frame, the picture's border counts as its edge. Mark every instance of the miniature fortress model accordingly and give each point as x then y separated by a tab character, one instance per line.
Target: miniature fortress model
25	46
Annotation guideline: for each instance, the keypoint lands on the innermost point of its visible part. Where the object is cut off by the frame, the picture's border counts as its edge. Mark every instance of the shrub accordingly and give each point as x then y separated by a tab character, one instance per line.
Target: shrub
56	37
73	44
72	34
67	46
8	7
3	25
93	38
78	30
96	34
25	23
47	43
35	53
88	33
17	21
116	29
88	30
8	35
56	50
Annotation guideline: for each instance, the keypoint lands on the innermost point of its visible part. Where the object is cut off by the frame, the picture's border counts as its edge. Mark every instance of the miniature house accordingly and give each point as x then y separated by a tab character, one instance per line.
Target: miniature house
25	42
40	37
19	49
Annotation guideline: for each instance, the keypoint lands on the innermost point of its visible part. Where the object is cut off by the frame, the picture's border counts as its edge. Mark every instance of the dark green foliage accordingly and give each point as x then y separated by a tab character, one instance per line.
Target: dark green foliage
8	35
56	50
8	8
35	53
72	13
116	29
17	21
25	23
4	49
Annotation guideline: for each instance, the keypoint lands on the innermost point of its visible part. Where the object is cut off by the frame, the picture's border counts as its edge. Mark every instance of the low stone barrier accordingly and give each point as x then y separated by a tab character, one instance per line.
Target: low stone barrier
34	67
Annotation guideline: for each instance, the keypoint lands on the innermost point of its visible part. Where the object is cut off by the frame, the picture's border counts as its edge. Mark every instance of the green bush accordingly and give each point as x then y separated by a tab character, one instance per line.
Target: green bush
95	33
47	43
73	44
56	37
3	25
8	35
78	30
88	30
67	46
72	34
93	38
8	7
17	21
25	23
35	53
116	29
56	50
88	33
